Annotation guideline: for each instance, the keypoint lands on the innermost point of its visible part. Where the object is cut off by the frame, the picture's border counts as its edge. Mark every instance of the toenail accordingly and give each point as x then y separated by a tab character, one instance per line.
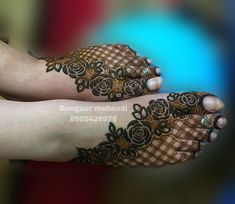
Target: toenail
213	135
157	71
154	84
212	104
221	122
149	61
198	153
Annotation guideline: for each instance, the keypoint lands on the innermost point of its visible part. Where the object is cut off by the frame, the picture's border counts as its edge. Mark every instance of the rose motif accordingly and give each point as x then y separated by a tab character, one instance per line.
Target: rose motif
75	69
133	87
160	109
139	133
101	85
107	151
190	99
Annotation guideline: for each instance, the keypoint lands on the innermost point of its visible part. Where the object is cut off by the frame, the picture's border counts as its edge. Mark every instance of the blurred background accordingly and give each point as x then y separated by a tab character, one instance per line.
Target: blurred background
192	41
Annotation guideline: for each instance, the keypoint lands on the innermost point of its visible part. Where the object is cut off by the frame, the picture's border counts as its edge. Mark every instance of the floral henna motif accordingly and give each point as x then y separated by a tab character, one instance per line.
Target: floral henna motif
101	85
151	122
189	99
133	87
160	109
97	74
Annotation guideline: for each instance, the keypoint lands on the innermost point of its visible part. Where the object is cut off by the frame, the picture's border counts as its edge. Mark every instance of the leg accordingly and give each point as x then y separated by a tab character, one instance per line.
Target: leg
151	130
100	73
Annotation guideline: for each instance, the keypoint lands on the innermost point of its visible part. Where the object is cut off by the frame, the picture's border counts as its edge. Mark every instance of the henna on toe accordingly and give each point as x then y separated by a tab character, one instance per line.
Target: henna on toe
112	71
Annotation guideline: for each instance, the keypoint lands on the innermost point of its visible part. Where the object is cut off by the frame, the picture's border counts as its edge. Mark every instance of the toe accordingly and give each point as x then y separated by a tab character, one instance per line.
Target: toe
199	134
198	153
212	103
153	84
208	121
181	157
155	70
221	122
196	102
149	72
158	71
189	145
149	61
213	135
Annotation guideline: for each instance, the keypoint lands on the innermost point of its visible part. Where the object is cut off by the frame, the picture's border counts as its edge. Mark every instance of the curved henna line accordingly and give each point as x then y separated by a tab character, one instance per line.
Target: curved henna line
125	143
79	68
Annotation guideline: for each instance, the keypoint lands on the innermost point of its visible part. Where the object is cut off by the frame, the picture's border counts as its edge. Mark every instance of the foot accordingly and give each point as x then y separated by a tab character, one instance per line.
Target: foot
154	130
108	72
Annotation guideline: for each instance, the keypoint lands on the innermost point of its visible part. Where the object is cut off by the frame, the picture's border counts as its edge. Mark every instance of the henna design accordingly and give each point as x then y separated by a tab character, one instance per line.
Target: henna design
108	70
152	122
189	99
160	109
133	87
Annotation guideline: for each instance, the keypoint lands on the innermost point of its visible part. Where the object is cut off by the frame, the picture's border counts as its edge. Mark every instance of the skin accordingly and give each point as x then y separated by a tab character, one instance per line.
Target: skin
46	83
43	131
47	133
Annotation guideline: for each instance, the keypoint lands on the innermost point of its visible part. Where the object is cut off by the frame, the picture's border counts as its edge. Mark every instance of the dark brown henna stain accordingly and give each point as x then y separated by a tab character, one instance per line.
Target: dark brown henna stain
107	72
151	122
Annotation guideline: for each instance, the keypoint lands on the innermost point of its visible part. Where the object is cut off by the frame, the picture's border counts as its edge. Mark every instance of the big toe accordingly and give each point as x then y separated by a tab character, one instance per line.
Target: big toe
212	103
154	84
